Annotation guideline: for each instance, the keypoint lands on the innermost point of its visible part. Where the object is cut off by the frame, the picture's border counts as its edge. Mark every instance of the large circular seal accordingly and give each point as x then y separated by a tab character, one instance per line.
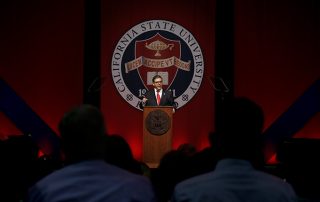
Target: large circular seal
158	122
157	47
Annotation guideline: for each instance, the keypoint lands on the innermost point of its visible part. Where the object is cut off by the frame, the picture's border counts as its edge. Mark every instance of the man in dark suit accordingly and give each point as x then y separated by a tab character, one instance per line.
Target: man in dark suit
157	96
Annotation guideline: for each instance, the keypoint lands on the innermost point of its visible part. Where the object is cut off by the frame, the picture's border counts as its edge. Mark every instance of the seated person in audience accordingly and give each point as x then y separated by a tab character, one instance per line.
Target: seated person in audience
87	177
118	153
236	177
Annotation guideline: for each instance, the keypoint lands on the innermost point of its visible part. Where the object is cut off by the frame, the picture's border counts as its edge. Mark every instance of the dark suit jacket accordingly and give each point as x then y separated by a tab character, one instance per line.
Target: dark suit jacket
166	98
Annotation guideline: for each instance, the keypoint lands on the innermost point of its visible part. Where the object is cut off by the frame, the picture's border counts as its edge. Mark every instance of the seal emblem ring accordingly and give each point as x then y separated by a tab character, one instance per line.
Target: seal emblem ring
157	47
158	122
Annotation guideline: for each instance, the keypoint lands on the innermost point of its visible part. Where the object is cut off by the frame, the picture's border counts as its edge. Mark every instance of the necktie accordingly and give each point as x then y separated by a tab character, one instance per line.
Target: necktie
158	98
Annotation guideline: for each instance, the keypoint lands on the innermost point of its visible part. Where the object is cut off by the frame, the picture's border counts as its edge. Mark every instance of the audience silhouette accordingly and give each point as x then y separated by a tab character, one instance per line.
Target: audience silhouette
87	177
298	164
118	153
205	160
18	170
236	177
173	168
100	167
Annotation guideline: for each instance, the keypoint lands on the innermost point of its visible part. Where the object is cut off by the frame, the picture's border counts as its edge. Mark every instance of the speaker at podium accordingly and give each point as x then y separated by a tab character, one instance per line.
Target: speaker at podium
157	133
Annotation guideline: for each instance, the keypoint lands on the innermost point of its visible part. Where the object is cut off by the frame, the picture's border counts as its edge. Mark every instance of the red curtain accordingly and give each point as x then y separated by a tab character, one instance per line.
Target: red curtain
41	56
277	49
195	119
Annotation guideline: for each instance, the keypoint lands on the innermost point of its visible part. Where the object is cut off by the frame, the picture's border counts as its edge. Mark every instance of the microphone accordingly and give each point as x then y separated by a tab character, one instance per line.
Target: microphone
218	84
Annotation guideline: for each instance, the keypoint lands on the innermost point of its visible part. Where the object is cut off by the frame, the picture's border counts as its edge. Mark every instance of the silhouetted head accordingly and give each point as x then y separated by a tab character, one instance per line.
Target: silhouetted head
187	149
212	137
118	153
21	148
117	150
241	130
82	133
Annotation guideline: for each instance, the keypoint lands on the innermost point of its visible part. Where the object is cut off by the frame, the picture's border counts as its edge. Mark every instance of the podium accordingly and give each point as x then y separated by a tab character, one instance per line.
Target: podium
157	133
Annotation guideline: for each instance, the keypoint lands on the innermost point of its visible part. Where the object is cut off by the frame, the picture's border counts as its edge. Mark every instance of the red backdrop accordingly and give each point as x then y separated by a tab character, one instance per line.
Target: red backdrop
41	56
276	59
277	55
193	121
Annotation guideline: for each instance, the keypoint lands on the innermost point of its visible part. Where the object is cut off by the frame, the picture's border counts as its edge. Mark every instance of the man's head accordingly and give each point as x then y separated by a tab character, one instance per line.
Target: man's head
82	133
241	130
157	82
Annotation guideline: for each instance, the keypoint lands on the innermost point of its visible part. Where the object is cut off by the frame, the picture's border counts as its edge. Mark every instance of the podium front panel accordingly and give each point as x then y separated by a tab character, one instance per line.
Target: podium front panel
157	134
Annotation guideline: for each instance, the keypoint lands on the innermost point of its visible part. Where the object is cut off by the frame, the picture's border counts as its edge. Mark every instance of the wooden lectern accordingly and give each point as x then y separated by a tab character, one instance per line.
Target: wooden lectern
157	133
